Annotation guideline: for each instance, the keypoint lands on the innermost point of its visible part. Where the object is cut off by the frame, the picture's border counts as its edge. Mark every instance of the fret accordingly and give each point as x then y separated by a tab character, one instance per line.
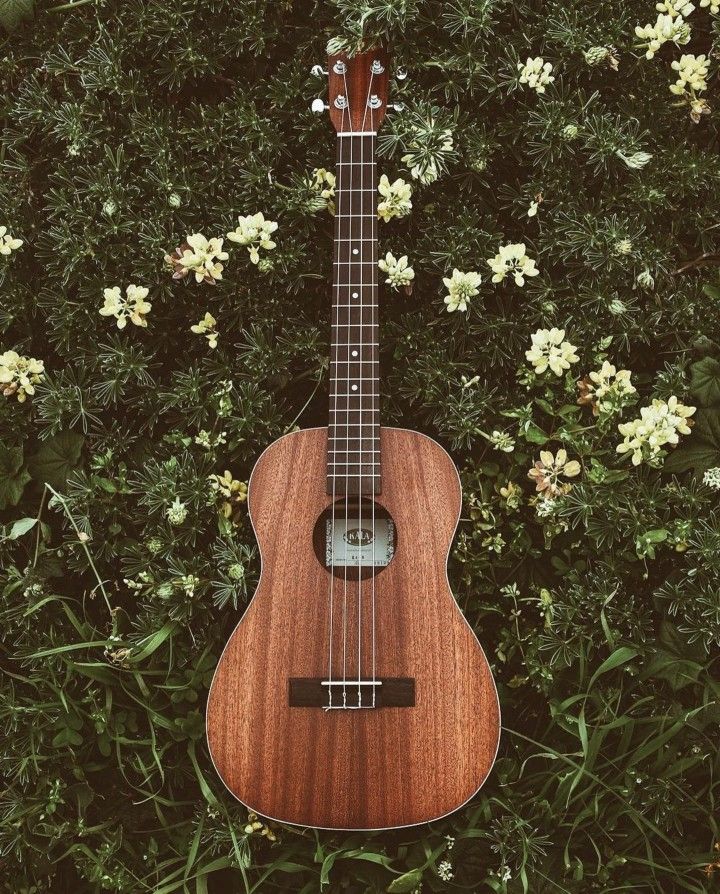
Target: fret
353	449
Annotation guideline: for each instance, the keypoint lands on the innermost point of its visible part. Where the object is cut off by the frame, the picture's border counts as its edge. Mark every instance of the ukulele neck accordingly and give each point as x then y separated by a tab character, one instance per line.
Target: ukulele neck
354	424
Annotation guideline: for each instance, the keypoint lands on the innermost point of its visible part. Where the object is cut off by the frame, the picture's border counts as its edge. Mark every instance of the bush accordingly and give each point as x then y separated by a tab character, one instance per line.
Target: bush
594	584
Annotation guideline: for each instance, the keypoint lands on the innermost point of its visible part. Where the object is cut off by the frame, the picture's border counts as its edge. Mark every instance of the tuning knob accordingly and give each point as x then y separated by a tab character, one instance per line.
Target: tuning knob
317	71
397	106
318	106
401	74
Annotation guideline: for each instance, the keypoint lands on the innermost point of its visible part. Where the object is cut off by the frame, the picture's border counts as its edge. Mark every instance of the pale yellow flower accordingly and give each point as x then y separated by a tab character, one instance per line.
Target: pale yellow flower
207	327
132	306
254	232
19	375
549	349
461	288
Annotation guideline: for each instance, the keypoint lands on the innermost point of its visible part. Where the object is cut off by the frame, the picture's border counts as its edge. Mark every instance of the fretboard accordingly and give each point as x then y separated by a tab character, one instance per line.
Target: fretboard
354	423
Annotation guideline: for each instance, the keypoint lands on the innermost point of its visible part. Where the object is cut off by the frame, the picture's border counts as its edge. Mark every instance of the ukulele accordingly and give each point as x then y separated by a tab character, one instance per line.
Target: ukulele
353	694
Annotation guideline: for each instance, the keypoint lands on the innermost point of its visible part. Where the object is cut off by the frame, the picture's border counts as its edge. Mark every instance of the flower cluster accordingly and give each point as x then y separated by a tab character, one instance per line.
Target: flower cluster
667	28
207	327
536	73
599	55
692	72
131	306
176	513
659	424
395	200
19	375
461	288
231	491
323	183
675	8
399	273
548	471
606	390
714	6
254	232
711	478
511	260
549	349
199	256
8	244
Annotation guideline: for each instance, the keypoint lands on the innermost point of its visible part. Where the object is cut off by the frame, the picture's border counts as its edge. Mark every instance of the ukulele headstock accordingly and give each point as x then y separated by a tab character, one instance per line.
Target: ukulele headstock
358	90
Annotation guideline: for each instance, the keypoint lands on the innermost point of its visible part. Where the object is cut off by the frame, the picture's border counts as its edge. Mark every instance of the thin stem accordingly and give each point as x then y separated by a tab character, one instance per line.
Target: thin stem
83	544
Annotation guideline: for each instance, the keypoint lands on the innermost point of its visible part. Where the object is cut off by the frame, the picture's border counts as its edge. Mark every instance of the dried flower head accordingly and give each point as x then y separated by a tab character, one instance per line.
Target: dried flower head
548	471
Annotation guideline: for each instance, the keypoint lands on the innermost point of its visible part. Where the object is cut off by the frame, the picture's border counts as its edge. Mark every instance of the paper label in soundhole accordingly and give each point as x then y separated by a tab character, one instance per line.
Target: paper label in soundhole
363	542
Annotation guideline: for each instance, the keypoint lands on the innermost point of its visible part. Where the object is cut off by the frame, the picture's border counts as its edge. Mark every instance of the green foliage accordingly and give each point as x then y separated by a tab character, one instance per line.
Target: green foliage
124	127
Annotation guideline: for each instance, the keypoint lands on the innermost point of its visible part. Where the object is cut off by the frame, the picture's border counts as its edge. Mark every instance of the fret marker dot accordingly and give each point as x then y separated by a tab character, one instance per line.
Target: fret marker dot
354	353
355	251
355	294
354	387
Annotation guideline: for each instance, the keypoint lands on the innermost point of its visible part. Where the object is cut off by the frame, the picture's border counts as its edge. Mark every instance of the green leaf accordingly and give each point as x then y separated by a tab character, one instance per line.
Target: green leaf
12	12
535	435
705	381
56	458
408	881
21	526
13	477
619	657
700	450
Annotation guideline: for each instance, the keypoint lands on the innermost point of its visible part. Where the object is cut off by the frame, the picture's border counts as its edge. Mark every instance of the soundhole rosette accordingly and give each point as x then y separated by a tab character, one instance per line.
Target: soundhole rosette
355	538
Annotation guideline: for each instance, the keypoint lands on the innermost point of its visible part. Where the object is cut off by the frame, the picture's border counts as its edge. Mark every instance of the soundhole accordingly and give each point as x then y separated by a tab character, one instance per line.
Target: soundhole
355	538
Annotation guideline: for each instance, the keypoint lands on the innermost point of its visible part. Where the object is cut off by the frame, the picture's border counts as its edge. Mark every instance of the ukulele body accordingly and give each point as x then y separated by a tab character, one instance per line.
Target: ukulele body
367	767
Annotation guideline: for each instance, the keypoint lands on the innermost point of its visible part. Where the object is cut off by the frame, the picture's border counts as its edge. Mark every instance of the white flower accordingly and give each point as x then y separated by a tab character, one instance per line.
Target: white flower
207	327
19	375
254	232
692	74
536	73
397	269
549	349
533	209
323	182
711	478
606	390
396	198
177	512
199	256
461	287
502	441
713	4
445	870
675	8
659	424
665	28
132	306
511	259
7	243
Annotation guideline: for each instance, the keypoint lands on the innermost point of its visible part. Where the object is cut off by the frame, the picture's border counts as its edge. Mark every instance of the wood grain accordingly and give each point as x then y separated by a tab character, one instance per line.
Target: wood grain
356	769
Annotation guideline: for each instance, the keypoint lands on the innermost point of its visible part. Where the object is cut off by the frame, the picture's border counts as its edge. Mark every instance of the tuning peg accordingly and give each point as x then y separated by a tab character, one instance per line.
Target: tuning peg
401	74
317	106
397	106
317	71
